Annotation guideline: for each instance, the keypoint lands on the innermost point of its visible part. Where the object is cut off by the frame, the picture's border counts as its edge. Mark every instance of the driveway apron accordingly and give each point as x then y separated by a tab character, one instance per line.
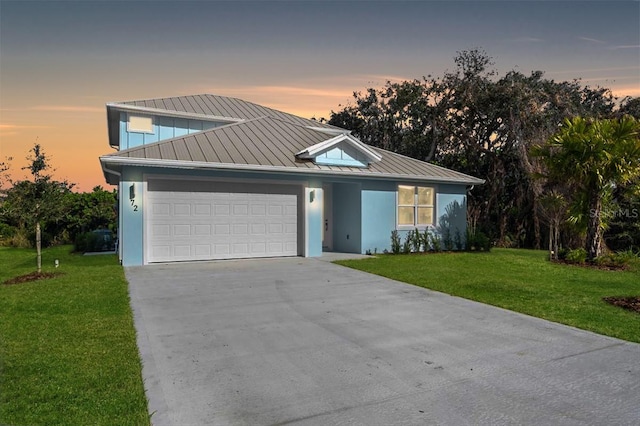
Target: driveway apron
305	342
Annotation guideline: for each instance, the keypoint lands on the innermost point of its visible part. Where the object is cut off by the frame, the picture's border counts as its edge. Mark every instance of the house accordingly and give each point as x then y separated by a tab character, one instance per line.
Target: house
211	177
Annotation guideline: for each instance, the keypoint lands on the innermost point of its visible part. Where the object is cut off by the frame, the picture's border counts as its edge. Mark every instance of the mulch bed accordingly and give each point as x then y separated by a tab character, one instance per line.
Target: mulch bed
629	303
33	276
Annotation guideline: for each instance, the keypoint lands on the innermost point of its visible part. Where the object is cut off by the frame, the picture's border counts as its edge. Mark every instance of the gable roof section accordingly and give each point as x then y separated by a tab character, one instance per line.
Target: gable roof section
206	107
270	144
314	150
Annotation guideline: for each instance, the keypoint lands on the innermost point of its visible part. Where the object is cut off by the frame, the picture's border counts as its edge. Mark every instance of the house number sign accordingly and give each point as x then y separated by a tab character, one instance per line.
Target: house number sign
132	197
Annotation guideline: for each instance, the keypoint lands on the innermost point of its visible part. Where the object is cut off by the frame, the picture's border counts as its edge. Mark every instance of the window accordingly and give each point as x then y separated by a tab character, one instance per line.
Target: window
415	206
140	124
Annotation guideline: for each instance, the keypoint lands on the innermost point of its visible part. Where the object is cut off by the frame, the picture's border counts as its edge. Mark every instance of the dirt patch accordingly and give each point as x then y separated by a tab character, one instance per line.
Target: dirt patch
33	276
594	266
629	303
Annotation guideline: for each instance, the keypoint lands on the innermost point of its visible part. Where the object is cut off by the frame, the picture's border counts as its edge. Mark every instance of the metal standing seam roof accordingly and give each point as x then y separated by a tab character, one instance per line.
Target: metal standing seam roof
218	106
268	142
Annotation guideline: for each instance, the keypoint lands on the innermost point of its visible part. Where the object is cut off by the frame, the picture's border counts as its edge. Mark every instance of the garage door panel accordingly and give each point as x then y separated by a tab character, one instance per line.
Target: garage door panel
198	225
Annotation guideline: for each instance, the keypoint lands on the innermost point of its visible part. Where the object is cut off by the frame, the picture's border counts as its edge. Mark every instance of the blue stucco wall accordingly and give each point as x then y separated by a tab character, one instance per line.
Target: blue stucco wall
163	128
347	231
451	211
378	215
364	211
131	231
314	220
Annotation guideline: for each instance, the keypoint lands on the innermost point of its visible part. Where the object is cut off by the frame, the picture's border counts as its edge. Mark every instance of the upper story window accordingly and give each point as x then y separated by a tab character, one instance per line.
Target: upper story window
140	124
415	206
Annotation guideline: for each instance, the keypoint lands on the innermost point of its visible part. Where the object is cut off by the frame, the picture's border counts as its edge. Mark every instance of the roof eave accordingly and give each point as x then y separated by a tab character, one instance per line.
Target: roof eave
172	113
108	160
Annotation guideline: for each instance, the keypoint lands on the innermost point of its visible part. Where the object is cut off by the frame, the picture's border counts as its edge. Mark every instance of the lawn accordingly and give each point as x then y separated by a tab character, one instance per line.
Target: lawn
522	281
68	351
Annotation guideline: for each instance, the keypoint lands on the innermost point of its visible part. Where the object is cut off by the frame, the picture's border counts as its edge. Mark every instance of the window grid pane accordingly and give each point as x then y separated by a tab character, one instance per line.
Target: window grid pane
425	215
406	195
415	205
425	196
405	216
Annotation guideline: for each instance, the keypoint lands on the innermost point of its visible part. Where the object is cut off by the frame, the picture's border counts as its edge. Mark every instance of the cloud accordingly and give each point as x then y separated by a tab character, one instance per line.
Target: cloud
590	70
527	40
622	91
313	97
628	46
67	108
592	40
19	126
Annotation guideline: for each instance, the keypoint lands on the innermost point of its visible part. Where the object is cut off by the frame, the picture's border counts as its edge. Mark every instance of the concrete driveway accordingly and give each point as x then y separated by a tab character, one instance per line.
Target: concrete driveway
305	342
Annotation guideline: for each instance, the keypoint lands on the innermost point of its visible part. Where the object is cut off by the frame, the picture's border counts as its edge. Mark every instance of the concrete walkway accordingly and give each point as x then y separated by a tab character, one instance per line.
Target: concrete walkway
305	342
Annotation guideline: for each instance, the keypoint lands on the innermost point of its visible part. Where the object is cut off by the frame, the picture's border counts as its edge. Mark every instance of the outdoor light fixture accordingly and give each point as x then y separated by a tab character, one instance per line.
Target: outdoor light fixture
312	195
132	192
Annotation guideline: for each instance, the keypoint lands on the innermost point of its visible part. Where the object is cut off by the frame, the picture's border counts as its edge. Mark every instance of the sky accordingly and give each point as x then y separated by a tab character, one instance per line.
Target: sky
62	61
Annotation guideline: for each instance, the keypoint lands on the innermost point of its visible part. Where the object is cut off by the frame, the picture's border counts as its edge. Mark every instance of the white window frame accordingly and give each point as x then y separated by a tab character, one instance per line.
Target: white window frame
415	206
132	129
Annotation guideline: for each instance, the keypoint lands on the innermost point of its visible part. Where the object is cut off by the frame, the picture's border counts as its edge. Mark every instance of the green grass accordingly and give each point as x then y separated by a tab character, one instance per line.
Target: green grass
522	281
68	351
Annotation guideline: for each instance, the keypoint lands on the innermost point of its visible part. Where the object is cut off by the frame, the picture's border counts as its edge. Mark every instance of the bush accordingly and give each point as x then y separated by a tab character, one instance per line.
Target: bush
406	246
619	259
426	239
99	240
478	241
457	239
576	256
416	240
562	253
6	233
436	243
395	242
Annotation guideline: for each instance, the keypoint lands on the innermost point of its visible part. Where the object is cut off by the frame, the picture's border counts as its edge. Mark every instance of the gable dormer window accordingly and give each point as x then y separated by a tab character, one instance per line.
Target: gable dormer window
140	124
341	150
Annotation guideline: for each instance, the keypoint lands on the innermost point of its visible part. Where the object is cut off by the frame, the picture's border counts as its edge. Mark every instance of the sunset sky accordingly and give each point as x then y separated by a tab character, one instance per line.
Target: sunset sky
62	61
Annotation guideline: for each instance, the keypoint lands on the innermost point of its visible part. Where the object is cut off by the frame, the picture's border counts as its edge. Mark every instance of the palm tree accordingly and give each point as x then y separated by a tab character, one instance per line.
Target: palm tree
594	156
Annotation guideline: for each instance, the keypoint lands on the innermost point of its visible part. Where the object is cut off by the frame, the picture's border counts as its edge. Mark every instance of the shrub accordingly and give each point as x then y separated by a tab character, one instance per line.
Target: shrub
416	240
562	253
447	240
478	241
406	246
576	256
436	243
6	232
426	239
100	240
395	242
20	239
619	259
457	240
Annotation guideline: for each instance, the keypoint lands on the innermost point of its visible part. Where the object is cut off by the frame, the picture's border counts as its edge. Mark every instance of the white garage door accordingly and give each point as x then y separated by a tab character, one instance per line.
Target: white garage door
188	220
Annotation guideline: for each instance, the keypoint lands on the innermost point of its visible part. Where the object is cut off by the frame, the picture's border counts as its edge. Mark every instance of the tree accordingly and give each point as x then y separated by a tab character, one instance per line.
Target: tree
629	106
553	208
4	170
33	204
88	211
476	122
596	156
